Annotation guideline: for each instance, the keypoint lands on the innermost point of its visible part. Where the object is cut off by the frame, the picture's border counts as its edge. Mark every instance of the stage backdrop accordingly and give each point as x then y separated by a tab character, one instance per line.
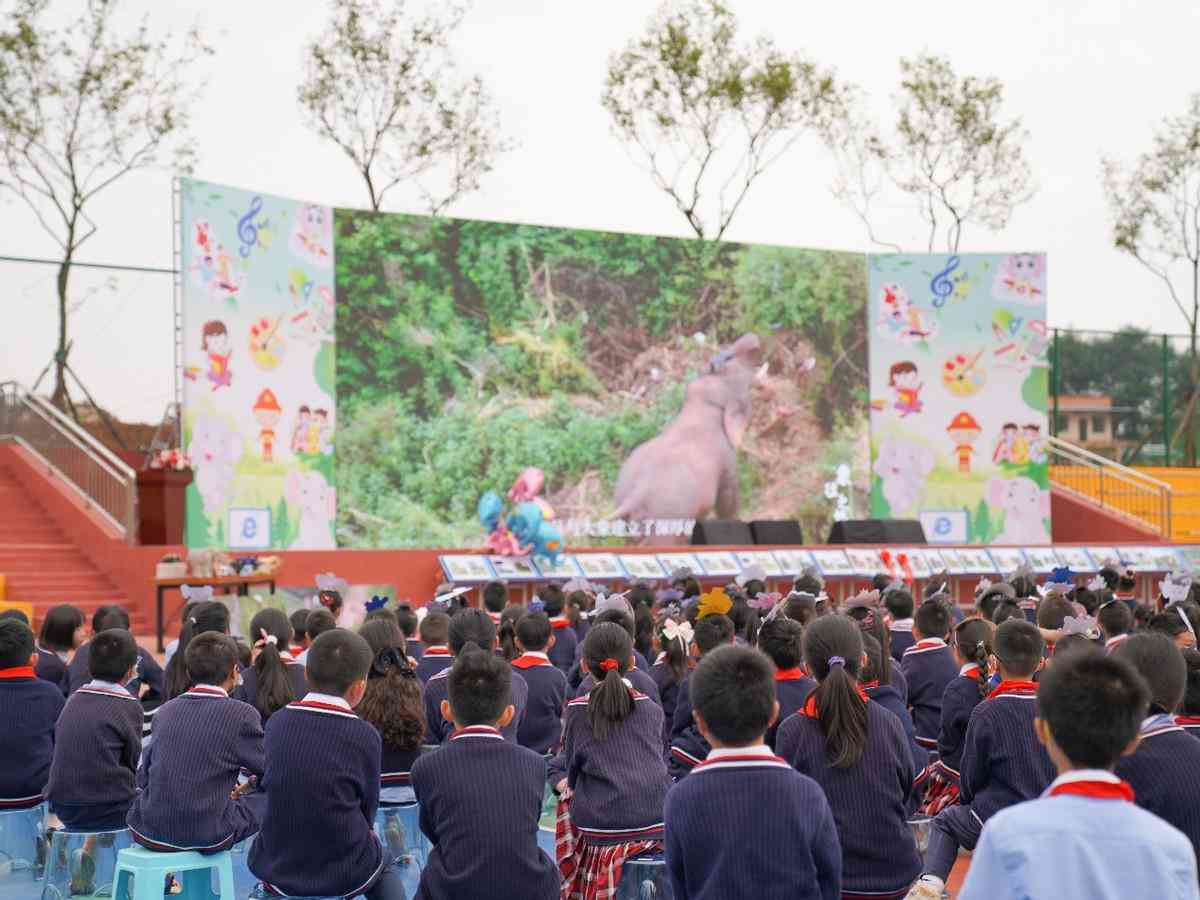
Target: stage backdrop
260	400
959	395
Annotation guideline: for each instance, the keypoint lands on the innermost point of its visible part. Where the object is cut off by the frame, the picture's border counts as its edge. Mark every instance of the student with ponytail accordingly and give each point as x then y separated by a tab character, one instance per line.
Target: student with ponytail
203	617
857	751
612	763
392	703
469	628
972	645
672	638
275	679
506	629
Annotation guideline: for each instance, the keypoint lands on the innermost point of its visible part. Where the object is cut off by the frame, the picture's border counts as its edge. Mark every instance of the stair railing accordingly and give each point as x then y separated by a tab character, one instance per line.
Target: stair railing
103	481
1120	490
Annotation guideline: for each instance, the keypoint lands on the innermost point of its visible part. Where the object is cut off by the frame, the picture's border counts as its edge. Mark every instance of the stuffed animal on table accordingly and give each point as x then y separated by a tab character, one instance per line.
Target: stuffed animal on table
535	535
500	539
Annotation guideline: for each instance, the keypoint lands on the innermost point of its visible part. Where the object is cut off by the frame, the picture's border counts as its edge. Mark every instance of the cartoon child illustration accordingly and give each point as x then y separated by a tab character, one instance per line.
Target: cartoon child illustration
312	237
312	437
964	431
300	433
325	430
1006	444
214	340
905	382
266	412
1037	446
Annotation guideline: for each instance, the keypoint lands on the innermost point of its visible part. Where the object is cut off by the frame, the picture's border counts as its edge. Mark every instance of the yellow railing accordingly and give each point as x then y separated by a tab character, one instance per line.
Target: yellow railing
1130	493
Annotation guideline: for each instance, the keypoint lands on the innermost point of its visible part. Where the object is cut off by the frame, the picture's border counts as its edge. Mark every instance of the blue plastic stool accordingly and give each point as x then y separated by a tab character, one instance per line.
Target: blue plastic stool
82	863
399	830
22	844
148	870
645	878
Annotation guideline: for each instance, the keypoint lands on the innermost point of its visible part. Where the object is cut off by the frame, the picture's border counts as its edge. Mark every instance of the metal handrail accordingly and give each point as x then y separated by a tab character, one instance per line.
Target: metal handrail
1117	488
105	482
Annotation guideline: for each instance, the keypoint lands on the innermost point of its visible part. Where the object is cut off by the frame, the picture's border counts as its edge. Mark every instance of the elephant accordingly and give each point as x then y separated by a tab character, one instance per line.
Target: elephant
1026	507
690	469
902	467
317	502
215	448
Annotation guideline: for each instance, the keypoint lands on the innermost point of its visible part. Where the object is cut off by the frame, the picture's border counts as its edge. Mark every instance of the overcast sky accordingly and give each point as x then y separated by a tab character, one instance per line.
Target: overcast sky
1090	79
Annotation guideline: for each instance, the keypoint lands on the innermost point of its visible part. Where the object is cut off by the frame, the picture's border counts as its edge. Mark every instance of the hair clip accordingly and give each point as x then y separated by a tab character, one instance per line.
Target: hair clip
836	661
765	600
715	602
678	631
1097	584
376	602
536	604
1081	624
266	639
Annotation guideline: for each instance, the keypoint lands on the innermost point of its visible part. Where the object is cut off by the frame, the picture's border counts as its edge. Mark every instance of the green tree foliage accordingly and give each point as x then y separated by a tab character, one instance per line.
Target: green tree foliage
1155	205
950	152
708	114
383	86
82	106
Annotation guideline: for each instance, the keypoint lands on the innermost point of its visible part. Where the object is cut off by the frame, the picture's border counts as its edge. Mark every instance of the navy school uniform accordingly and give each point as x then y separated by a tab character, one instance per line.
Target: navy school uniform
688	746
247	691
619	783
566	643
668	693
958	702
414	648
928	667
899	682
869	799
792	688
322	785
97	743
29	709
901	637
434	659
787	845
541	726
436	689
1162	772
149	673
485	842
52	668
203	739
889	698
639	678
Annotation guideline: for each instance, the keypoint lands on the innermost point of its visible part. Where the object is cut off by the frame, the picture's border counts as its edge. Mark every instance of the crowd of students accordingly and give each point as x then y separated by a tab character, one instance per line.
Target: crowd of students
777	746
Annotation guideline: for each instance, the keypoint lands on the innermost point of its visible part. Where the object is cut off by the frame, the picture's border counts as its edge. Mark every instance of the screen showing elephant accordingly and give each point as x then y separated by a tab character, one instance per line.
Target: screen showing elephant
959	385
512	386
260	401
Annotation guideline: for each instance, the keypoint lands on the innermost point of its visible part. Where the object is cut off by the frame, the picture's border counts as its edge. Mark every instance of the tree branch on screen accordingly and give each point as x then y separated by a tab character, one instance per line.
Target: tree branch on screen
384	88
707	116
81	107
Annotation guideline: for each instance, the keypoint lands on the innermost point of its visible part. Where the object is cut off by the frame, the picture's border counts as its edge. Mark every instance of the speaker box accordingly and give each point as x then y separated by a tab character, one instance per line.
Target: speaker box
877	531
722	532
781	532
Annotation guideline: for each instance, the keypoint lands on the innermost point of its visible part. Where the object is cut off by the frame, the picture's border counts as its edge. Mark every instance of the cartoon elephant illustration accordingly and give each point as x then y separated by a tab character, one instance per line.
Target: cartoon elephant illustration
214	449
903	467
317	502
690	469
1026	508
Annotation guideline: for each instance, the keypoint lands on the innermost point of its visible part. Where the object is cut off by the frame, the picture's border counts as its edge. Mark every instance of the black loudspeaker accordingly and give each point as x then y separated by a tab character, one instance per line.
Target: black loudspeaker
784	532
722	532
877	531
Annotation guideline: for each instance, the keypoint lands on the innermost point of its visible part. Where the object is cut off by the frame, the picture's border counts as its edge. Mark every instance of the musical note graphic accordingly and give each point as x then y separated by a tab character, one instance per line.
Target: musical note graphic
247	229
941	286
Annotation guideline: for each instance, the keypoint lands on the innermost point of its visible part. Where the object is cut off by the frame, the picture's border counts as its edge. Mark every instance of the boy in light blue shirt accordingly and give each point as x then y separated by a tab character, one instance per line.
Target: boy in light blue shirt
1084	839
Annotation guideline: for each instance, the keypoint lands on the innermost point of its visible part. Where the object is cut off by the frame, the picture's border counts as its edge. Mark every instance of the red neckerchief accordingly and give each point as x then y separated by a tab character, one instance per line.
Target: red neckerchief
18	672
793	674
974	673
528	661
495	617
317	704
1187	720
810	705
476	731
928	644
1016	686
1098	790
437	651
870	685
559	622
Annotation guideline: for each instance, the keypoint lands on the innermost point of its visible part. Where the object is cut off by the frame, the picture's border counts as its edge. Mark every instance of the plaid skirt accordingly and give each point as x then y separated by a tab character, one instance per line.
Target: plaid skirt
590	871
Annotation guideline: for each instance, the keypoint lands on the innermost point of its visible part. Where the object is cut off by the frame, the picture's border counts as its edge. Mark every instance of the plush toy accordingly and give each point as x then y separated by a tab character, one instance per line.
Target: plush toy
500	540
526	531
535	536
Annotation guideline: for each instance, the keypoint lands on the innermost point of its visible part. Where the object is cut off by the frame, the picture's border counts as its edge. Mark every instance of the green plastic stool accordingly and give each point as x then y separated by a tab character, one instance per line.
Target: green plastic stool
148	869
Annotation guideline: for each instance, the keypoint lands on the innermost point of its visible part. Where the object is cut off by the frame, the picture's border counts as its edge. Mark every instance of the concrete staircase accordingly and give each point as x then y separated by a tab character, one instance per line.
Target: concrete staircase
41	564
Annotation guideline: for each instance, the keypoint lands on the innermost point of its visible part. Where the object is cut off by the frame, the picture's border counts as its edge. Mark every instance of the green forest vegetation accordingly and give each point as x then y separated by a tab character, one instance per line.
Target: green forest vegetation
468	350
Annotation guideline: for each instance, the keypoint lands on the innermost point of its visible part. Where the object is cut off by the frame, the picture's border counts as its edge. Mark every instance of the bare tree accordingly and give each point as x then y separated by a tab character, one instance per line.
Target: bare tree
384	87
1155	205
81	107
949	150
706	115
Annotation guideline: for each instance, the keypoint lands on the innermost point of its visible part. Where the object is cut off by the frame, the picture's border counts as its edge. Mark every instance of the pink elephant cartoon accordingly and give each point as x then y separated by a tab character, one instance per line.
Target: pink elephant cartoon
317	502
1026	509
903	466
690	470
